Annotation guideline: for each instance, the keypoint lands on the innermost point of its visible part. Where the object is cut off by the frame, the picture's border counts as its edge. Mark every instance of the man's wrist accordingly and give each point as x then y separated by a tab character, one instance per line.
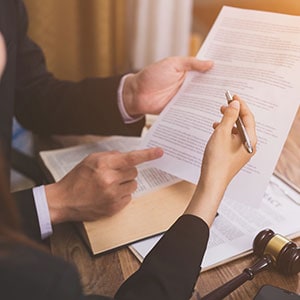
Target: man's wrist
55	203
124	91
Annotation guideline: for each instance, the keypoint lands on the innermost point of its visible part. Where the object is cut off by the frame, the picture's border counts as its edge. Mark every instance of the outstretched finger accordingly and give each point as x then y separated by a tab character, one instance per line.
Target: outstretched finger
136	157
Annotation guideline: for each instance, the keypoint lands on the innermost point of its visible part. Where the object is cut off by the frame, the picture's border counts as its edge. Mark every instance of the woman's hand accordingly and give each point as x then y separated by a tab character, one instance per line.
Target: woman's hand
224	156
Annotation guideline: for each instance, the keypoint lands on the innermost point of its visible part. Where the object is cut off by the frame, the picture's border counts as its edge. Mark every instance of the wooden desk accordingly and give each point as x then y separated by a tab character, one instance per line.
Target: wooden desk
103	274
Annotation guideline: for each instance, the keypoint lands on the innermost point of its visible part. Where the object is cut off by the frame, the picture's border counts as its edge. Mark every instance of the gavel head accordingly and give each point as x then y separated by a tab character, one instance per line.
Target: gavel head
284	253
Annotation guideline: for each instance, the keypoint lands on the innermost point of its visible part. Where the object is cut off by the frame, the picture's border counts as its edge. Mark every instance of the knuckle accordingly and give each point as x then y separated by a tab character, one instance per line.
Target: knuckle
91	157
134	172
126	199
96	160
107	179
132	186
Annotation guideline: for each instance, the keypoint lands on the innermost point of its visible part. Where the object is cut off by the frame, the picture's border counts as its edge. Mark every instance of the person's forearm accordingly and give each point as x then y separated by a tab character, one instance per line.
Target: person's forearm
58	208
205	201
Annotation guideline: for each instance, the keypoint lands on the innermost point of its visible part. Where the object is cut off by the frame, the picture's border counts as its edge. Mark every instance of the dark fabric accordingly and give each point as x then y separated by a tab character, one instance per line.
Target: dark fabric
44	104
28	213
27	166
27	273
169	271
95	297
7	83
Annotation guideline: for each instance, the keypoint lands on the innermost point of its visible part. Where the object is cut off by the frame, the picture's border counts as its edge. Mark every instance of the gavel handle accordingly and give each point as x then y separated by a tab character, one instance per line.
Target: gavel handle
233	284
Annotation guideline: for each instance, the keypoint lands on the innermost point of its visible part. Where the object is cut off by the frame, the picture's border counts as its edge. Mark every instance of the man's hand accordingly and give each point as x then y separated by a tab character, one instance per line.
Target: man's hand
101	185
150	90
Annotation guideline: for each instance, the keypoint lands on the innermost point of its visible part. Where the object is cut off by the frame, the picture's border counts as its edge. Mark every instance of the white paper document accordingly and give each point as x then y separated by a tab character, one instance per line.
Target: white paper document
62	161
237	224
257	56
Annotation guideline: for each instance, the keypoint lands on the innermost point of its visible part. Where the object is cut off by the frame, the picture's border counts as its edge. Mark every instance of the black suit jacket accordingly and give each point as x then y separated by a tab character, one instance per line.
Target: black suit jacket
169	272
44	104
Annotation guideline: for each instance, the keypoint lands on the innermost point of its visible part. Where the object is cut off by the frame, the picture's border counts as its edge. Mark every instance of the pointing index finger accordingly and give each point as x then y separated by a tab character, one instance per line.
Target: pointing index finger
136	157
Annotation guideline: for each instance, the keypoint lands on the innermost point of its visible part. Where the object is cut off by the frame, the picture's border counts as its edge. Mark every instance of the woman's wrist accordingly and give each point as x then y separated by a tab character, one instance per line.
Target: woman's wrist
205	202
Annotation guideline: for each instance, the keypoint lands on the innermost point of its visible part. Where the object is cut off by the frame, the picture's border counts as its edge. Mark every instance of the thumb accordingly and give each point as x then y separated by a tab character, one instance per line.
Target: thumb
194	64
230	115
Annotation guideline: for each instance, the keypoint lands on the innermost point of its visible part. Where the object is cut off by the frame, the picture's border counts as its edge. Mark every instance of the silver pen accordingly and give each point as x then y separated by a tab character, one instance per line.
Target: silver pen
241	127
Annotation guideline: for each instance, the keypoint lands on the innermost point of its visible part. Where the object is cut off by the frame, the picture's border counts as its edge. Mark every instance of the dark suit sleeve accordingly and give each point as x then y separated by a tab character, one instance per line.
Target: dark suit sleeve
27	211
171	269
46	105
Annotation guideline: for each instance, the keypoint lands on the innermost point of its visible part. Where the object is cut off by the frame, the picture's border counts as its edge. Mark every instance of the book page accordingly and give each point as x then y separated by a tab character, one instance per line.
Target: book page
61	161
257	56
237	224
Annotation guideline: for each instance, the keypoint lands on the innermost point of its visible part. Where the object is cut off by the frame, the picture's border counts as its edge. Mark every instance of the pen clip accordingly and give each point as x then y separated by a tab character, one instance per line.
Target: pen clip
241	127
228	97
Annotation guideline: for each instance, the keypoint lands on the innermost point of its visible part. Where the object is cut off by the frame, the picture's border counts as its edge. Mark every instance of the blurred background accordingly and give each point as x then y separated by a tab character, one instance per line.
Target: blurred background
105	37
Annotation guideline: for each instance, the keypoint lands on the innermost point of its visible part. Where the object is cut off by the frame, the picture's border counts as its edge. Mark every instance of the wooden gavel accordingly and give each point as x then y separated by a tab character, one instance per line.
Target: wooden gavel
275	250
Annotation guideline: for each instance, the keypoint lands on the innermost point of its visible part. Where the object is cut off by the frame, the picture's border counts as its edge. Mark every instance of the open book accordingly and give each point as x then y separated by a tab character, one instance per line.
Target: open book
265	82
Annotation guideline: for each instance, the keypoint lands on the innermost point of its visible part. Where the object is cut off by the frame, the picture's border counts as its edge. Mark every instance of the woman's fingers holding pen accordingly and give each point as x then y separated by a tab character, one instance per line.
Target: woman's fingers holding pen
230	116
225	150
247	118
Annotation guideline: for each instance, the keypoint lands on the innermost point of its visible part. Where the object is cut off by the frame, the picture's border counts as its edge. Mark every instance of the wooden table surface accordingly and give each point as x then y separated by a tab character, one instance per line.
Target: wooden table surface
103	274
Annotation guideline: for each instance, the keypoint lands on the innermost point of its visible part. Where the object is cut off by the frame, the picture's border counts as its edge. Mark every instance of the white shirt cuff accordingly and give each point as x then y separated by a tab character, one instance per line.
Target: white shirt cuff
42	209
126	117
